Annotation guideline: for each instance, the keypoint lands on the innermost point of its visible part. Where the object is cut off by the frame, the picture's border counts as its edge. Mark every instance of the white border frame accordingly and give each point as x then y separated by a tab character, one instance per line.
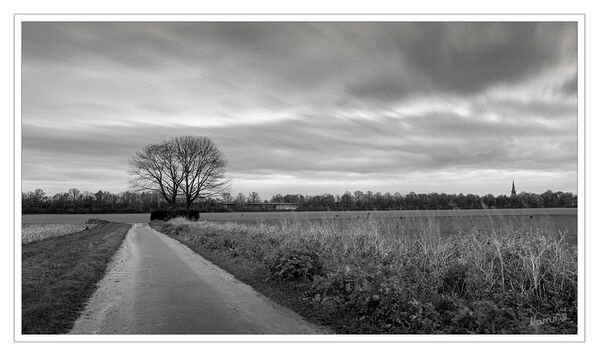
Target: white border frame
579	18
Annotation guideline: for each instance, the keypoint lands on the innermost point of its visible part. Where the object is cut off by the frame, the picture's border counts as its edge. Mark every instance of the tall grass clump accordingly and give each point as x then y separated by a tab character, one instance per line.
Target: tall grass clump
405	276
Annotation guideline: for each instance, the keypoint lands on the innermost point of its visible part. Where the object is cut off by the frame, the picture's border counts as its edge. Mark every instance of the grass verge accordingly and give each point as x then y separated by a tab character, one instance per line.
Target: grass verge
59	275
365	277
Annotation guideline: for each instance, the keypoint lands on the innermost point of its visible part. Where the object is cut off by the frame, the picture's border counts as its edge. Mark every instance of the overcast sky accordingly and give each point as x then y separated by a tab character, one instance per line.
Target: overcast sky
306	108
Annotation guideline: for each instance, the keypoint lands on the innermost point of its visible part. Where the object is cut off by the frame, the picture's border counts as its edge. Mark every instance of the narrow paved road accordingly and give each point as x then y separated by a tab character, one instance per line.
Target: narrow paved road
156	285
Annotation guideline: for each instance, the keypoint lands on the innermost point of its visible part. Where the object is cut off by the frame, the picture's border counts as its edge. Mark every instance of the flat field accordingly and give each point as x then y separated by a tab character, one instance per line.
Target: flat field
448	220
37	232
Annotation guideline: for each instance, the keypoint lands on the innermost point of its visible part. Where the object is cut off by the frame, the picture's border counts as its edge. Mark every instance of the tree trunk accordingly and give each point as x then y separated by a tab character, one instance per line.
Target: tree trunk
187	209
172	210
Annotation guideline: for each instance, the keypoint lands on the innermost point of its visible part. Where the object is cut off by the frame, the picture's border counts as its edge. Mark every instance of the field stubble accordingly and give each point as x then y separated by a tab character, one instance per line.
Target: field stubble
38	232
388	276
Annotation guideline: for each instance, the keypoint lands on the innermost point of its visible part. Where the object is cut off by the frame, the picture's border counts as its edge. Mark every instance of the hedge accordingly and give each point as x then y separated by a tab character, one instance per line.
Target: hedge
171	214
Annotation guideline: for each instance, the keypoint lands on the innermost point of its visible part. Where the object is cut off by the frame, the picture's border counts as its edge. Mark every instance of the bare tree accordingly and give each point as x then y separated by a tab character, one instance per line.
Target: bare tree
253	197
227	197
191	167
156	168
74	194
240	199
203	169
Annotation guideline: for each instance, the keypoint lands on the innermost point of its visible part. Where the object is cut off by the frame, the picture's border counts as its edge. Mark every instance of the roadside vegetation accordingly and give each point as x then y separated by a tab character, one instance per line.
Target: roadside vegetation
370	276
59	274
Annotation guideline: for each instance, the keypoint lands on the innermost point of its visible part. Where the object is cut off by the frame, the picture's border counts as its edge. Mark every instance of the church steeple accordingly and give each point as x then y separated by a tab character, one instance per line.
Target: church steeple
513	189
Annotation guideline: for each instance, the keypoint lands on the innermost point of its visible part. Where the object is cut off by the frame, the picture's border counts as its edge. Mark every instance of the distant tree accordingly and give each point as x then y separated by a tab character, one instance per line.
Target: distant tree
74	194
73	201
488	201
253	197
548	199
34	200
568	200
227	197
39	195
347	200
240	199
99	196
502	202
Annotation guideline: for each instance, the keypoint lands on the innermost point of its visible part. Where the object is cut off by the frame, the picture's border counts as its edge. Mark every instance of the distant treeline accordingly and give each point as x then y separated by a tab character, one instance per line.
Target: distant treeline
75	201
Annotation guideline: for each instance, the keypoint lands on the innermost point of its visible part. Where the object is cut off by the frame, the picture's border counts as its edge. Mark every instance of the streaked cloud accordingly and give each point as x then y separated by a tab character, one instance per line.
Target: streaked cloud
306	107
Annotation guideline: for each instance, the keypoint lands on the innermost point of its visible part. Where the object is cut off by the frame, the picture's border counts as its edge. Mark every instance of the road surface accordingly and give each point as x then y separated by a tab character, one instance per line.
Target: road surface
156	285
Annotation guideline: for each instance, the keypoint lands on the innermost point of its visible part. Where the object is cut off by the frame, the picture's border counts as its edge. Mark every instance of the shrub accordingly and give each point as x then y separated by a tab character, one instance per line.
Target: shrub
159	215
454	280
165	215
486	317
193	214
296	264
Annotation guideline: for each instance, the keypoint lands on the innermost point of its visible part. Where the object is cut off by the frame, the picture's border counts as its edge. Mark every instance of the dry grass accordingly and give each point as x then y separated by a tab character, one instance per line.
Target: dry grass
38	232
